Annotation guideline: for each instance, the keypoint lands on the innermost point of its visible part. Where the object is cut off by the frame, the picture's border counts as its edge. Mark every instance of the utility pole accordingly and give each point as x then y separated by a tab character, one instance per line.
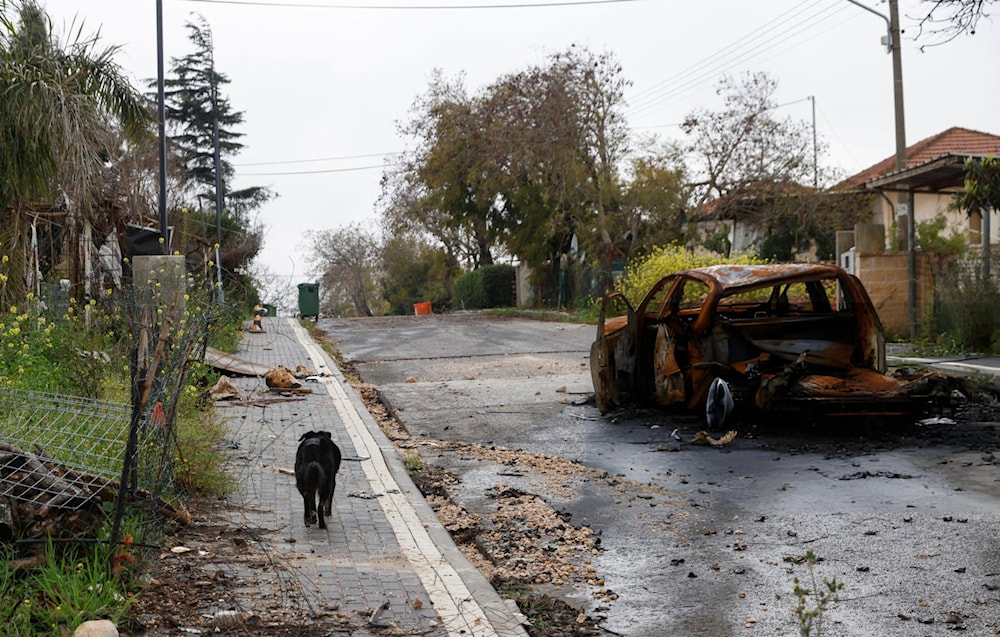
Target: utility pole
219	292
161	116
812	98
905	226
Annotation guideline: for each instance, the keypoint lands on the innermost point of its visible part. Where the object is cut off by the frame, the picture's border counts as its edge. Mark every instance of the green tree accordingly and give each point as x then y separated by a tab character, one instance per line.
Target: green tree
537	170
413	271
981	195
653	203
443	190
567	137
195	110
521	168
599	86
67	107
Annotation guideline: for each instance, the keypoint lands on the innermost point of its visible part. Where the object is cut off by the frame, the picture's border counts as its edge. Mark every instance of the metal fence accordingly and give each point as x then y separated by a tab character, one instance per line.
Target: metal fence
76	440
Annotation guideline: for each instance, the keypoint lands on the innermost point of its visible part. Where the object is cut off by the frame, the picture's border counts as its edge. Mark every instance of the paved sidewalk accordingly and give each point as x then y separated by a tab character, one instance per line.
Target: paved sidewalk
384	550
955	365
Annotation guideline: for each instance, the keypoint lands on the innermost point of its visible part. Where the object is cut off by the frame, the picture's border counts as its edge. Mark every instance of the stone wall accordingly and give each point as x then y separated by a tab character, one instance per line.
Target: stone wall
886	276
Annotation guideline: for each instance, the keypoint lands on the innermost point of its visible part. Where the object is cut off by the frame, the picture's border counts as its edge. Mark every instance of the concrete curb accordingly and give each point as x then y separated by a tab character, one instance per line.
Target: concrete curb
499	614
958	365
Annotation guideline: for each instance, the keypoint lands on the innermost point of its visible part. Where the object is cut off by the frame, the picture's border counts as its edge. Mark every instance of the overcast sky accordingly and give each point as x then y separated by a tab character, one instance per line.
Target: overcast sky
324	83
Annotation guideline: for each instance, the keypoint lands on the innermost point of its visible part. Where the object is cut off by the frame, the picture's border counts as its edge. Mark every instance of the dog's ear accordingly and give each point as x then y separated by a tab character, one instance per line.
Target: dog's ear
325	434
308	434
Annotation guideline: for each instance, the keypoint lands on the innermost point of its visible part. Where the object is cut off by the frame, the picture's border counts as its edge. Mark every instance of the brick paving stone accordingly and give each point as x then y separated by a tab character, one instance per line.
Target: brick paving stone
358	562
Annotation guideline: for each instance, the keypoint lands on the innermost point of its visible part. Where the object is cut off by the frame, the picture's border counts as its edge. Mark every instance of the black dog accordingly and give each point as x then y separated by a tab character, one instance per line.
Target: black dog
316	464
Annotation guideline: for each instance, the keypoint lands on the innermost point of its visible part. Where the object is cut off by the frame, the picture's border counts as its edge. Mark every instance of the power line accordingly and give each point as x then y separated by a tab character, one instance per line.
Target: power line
426	7
777	31
317	159
698	66
319	172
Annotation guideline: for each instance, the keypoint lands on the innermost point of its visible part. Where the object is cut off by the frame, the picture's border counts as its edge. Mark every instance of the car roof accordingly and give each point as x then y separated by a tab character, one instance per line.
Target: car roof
730	276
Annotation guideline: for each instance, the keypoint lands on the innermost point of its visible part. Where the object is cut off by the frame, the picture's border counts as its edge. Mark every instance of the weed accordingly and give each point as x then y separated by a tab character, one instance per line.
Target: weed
199	467
814	601
72	586
413	461
535	606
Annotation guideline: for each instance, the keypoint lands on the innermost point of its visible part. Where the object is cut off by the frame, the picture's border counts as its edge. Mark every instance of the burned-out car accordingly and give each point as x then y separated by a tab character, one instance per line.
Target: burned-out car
801	338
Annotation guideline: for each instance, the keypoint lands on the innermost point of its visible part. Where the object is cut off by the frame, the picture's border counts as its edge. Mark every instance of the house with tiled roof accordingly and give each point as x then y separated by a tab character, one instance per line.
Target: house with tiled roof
899	277
934	172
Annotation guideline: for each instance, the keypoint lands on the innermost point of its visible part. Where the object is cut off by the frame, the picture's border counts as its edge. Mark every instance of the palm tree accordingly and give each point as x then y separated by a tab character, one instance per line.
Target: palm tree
66	107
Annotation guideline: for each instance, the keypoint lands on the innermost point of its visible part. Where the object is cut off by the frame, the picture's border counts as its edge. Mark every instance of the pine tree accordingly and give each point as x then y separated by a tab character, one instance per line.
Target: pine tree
192	100
193	105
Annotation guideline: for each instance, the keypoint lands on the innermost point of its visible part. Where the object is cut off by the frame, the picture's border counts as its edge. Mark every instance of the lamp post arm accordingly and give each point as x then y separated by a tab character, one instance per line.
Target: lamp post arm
888	24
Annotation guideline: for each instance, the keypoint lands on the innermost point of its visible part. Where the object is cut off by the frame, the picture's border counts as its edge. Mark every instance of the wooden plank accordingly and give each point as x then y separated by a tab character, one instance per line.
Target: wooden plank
233	364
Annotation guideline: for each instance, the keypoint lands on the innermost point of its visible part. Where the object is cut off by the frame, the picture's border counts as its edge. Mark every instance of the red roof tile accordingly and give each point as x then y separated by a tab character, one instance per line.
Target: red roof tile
961	141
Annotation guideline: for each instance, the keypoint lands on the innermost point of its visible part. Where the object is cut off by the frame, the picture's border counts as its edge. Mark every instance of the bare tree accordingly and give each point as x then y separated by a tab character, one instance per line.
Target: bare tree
753	166
945	20
347	262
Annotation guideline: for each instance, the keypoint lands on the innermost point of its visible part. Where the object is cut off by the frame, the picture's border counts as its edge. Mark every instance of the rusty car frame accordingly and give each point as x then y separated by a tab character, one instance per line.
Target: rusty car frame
802	338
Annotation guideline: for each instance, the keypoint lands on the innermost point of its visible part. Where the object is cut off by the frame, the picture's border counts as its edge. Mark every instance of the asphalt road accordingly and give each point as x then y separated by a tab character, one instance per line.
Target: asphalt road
703	540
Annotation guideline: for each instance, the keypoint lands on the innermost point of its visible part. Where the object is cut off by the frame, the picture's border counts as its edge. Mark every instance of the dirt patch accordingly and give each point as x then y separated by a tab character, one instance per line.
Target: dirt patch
210	578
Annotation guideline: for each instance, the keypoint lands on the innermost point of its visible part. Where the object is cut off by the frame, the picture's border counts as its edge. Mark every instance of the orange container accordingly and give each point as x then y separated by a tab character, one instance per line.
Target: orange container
422	308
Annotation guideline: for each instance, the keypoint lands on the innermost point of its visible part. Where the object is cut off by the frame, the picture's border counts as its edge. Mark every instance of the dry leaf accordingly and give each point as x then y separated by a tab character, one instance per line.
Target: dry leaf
702	438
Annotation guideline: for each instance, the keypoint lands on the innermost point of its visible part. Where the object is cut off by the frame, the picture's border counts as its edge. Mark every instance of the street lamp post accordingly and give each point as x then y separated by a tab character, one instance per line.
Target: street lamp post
906	226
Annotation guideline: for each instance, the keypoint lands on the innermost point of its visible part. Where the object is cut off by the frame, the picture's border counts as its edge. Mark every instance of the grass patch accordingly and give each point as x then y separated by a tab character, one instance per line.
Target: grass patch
74	584
412	461
580	316
200	465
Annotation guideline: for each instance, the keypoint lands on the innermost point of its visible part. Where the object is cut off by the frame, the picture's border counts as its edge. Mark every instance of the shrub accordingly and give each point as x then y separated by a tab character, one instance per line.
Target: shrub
498	285
967	311
485	287
642	273
67	352
469	292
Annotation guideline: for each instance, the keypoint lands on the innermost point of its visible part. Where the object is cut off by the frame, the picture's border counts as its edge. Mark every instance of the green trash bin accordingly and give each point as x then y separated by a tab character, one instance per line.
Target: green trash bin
272	310
309	300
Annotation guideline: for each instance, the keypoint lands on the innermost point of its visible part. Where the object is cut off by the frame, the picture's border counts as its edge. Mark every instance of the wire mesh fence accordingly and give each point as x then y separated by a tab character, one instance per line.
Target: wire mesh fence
56	448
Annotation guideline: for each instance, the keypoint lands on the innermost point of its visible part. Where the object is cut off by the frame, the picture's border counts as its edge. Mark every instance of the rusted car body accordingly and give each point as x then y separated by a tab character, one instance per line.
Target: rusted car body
803	338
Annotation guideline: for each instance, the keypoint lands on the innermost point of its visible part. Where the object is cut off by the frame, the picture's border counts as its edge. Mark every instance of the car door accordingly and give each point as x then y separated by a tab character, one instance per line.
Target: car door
612	354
